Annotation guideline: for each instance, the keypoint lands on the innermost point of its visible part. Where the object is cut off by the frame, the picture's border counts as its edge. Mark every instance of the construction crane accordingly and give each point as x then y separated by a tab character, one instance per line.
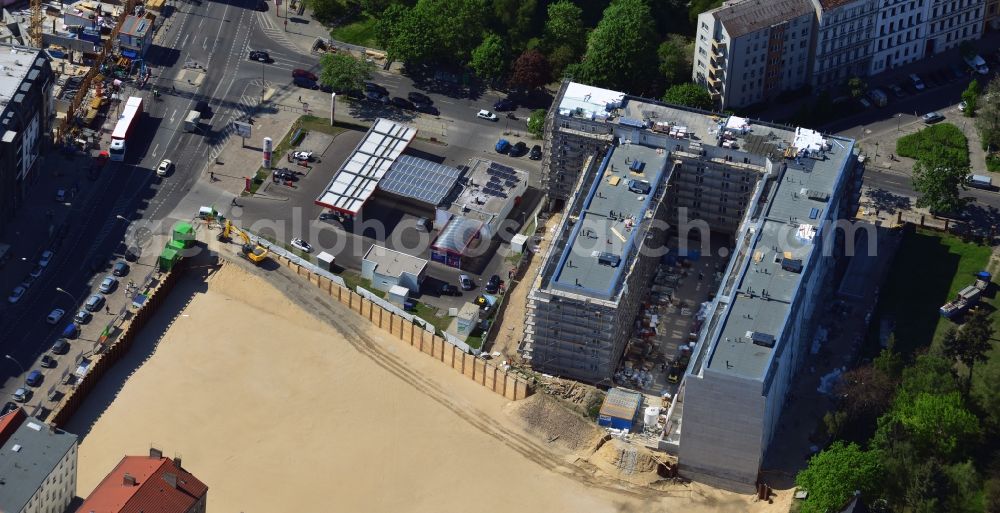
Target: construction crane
254	252
35	32
35	27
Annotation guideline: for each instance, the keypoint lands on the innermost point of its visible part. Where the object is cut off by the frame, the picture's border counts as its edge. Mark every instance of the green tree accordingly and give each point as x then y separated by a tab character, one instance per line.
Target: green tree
374	8
426	32
344	72
865	393
930	374
489	59
621	51
991	490
939	425
988	118
970	345
964	488
517	20
690	95
835	474
564	27
560	58
326	11
675	56
387	25
857	87
889	361
971	98
536	122
697	7
939	177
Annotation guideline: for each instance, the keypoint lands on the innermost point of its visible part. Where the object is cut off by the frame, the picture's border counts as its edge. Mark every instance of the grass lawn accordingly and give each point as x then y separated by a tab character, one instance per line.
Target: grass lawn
361	33
430	314
928	270
307	124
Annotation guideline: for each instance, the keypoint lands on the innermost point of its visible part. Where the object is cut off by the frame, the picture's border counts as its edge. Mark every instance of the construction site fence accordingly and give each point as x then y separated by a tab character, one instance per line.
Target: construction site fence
489	374
100	363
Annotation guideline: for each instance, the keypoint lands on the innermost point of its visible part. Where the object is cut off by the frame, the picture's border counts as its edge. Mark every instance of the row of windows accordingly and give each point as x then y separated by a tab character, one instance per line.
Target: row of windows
951	21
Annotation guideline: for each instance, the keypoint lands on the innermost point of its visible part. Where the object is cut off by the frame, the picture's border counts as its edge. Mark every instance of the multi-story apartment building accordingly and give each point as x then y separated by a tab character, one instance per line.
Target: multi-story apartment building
27	106
37	465
776	192
749	51
900	34
844	44
850	38
950	22
992	18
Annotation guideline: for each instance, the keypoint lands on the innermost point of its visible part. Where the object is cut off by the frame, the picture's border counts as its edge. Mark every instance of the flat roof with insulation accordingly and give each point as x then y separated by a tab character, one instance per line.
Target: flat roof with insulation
355	181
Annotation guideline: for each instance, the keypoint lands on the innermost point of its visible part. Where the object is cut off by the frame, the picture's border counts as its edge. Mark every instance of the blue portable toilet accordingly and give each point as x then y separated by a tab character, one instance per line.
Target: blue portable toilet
503	146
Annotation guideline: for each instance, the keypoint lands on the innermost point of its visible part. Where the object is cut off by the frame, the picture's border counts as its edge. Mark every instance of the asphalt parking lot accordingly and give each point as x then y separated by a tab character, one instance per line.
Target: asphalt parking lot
282	210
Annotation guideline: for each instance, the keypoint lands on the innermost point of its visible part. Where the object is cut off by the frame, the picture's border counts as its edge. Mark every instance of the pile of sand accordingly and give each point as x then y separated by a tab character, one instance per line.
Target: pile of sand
554	423
628	462
278	411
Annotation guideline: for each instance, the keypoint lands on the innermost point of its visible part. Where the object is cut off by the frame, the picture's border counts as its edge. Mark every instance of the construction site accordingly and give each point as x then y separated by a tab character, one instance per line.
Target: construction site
96	51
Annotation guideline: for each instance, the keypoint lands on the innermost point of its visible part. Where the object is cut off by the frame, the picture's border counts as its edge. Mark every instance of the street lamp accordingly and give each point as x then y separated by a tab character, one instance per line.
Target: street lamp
898	116
71	296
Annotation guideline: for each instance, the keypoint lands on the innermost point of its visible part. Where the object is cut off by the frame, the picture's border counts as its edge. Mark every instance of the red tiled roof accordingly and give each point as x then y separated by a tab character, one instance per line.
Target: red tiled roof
151	493
10	422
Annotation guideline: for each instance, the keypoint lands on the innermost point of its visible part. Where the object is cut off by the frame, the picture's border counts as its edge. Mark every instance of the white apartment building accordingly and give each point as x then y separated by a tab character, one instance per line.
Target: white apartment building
748	51
844	43
950	22
900	34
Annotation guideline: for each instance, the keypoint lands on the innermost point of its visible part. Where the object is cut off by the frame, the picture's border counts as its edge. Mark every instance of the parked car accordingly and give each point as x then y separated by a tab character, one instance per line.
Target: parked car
21	394
82	317
260	56
301	73
7	408
978	64
47	361
94	303
108	284
373	87
419	99
55	315
305	82
466	282
327	216
120	269
897	91
301	245
303	155
16	294
34	378
487	115
865	103
519	149
957	71
36	272
493	285
448	289
931	117
403	103
917	82
45	258
502	146
72	330
962	106
427	109
60	195
504	104
164	168
536	153
61	346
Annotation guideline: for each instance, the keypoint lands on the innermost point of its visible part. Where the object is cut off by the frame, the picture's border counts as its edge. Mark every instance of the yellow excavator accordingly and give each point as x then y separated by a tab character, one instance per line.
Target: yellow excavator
254	252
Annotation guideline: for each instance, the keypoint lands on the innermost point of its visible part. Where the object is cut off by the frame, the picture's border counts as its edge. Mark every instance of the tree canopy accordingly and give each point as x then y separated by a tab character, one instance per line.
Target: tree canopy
489	59
621	50
443	31
690	95
988	116
939	177
835	474
536	122
343	72
970	345
675	56
531	71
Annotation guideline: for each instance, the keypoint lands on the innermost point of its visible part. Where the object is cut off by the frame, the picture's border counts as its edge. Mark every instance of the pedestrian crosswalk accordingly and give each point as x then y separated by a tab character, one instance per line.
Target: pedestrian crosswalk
269	26
244	109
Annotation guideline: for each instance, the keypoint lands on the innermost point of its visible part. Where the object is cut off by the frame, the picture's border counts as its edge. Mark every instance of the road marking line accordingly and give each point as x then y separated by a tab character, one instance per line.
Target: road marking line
204	45
617	234
201	22
185	42
156	148
172	114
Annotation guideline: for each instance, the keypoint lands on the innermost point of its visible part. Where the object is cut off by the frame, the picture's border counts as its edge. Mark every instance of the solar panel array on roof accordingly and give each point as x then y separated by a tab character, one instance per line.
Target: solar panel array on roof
420	179
356	179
